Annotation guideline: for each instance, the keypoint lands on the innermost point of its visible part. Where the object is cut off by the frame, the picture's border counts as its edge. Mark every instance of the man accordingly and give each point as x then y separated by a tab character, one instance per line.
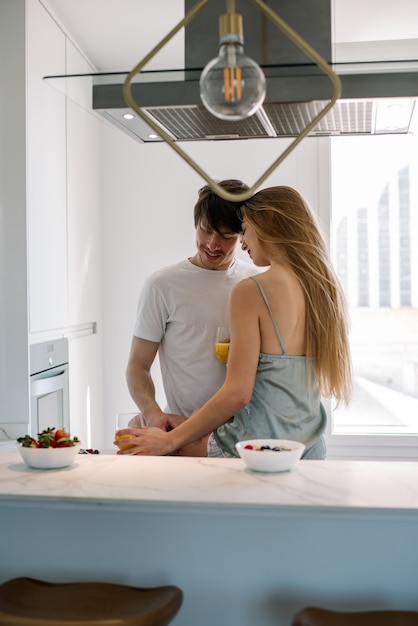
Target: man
180	308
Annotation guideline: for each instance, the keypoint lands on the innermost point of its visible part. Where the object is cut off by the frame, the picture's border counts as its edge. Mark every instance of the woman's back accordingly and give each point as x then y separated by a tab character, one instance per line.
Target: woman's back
287	307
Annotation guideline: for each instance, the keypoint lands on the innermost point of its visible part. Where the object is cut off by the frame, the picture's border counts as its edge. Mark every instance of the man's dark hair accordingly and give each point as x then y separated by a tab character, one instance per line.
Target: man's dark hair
217	213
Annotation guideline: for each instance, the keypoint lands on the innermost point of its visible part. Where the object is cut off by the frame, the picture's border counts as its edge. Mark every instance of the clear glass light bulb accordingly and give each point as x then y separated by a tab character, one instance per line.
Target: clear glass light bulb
232	86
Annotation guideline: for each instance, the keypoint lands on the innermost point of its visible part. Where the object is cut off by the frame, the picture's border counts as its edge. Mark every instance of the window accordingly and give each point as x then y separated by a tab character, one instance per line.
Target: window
374	244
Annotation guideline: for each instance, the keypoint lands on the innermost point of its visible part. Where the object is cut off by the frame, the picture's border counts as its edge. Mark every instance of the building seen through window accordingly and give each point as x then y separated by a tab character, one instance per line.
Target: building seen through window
375	252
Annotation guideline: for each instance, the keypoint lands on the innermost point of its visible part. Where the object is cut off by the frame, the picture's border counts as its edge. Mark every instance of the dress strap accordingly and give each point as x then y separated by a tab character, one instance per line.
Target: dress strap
278	335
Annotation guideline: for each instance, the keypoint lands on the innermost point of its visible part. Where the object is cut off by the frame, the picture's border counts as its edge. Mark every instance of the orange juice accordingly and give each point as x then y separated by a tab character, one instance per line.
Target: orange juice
221	351
125	446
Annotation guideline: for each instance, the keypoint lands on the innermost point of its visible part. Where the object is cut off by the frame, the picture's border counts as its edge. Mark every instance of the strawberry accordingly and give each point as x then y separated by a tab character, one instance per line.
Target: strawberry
63	443
60	433
28	442
46	437
63	439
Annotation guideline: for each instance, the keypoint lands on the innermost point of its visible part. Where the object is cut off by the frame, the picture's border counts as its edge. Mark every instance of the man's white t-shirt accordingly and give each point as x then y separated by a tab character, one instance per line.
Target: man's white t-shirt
180	307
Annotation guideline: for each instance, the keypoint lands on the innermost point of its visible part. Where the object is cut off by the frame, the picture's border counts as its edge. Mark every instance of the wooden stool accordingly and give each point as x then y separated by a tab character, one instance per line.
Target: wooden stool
31	602
314	616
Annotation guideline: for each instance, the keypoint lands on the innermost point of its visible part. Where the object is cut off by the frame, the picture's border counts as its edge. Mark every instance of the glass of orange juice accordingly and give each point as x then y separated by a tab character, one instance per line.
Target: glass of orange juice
222	343
128	420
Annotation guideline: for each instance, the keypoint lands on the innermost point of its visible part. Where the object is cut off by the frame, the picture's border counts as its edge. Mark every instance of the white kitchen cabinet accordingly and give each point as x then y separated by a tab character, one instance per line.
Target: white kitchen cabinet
86	391
46	173
64	233
84	207
84	268
50	220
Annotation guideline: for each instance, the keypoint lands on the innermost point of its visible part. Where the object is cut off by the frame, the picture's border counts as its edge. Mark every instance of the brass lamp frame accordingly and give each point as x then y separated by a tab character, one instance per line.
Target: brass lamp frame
293	36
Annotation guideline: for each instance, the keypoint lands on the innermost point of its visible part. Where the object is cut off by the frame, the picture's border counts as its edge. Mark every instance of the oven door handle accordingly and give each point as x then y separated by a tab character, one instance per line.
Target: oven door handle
48	384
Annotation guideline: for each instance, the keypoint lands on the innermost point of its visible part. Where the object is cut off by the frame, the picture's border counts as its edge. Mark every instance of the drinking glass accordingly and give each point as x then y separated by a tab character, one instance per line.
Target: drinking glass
128	420
222	343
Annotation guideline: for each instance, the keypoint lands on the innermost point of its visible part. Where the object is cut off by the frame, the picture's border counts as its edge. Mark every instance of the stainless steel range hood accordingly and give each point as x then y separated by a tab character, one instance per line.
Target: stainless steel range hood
296	91
294	97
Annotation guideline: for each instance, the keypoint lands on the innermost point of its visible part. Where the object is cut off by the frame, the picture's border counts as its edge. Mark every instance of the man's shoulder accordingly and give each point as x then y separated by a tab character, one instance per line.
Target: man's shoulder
244	269
168	271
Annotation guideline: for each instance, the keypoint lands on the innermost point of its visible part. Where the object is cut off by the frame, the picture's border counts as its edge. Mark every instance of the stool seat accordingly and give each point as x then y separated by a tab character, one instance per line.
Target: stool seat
315	616
32	602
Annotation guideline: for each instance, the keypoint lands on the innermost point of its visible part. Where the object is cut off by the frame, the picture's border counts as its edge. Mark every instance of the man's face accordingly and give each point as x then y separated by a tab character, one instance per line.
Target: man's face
215	250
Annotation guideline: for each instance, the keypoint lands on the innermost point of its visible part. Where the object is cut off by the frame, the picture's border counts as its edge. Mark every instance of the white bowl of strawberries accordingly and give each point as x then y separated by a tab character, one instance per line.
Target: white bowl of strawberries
53	449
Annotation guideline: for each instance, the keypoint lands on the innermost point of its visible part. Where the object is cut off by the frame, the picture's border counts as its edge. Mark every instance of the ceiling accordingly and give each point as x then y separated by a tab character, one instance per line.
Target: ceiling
116	34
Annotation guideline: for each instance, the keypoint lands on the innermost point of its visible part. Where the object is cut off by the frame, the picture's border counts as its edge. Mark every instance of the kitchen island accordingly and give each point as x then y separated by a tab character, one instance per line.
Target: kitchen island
246	548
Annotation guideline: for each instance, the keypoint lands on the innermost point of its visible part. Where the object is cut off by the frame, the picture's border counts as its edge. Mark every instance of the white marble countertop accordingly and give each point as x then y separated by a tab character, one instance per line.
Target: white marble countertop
109	480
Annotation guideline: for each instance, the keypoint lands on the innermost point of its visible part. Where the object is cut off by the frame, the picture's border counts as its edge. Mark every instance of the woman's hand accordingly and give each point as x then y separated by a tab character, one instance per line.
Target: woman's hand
150	441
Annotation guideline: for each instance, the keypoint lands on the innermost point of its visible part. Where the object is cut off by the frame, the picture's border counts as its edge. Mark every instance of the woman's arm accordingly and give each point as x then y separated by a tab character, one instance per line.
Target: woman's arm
234	394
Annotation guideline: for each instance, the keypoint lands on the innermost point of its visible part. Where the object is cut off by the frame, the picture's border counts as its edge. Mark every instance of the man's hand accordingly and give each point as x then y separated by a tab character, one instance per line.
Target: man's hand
175	420
164	421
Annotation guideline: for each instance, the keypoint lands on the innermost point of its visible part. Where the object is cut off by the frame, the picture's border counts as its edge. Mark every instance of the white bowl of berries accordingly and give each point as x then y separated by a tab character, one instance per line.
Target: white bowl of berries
270	455
52	449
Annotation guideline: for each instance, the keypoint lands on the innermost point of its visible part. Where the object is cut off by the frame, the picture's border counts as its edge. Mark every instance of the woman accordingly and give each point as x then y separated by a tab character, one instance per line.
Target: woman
289	339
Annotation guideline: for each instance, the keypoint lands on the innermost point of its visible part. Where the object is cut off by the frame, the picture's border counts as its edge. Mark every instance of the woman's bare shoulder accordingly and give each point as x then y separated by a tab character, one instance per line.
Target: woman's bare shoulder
244	287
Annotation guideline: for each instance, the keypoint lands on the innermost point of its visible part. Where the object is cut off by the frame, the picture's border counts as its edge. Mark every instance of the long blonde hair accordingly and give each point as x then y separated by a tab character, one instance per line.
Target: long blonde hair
286	228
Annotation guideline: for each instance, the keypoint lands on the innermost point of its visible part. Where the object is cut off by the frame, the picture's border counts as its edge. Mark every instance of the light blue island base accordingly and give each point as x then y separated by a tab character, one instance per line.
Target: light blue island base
246	549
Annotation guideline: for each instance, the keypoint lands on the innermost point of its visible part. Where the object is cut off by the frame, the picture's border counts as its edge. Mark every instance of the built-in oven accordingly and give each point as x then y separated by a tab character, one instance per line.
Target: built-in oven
49	390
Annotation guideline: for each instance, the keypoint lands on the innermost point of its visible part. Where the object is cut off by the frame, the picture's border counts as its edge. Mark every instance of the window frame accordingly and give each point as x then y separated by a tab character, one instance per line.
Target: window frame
353	446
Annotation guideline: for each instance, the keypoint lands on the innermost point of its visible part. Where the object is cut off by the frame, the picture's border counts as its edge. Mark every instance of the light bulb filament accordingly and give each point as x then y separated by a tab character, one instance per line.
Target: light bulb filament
232	83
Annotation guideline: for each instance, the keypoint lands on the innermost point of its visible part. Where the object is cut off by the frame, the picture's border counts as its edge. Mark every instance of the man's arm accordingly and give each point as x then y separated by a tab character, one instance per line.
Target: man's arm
140	383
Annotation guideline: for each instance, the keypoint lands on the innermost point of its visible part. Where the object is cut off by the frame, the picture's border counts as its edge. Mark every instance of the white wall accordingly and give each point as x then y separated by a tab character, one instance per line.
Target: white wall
375	30
148	200
374	20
